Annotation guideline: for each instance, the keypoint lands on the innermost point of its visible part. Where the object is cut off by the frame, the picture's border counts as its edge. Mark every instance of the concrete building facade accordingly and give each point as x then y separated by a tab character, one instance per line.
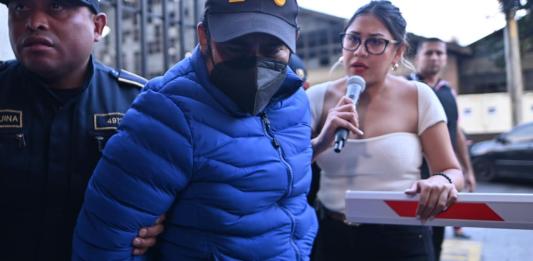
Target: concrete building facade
131	34
5	47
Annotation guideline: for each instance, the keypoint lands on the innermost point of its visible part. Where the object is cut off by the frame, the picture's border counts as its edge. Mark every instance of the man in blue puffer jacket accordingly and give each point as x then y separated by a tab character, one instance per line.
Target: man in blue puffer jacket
221	143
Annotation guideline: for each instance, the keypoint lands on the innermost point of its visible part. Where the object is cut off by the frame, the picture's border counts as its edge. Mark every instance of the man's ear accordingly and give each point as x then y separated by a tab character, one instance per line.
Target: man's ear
100	21
203	38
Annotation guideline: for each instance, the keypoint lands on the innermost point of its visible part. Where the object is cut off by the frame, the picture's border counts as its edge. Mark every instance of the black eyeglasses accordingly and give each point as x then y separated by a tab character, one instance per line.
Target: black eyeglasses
373	45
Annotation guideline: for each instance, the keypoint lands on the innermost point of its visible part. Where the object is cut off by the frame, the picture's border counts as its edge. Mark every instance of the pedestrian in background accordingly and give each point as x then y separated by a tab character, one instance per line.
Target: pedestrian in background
58	107
221	143
395	122
430	60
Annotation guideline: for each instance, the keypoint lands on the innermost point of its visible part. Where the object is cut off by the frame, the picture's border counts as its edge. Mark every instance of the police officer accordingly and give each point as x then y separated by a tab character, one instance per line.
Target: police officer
58	107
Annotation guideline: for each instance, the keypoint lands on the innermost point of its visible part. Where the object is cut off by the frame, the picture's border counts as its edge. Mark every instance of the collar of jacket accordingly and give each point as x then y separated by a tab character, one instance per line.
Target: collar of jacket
291	84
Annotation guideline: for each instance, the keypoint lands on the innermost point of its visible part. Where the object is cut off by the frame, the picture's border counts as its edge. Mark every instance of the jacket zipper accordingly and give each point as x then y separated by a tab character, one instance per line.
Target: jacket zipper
268	132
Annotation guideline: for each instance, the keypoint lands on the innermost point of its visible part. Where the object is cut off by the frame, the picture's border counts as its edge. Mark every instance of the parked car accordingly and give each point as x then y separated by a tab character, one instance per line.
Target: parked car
510	155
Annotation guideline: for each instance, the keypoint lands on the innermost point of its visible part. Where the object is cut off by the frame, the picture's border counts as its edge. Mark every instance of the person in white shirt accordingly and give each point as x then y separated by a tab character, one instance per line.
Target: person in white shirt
396	122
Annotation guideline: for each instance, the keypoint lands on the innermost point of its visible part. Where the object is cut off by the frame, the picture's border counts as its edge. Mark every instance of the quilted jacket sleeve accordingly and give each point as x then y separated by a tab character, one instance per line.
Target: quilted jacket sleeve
142	169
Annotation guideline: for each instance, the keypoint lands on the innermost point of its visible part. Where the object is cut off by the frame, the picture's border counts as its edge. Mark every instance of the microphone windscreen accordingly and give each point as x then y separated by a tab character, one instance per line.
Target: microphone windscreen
355	86
357	80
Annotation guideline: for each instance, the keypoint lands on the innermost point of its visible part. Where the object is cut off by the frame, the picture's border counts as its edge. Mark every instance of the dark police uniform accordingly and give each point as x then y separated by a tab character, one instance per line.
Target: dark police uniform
50	142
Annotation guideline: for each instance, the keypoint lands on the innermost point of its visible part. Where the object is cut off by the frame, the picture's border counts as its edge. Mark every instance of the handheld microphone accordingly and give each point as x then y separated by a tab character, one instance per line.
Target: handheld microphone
355	86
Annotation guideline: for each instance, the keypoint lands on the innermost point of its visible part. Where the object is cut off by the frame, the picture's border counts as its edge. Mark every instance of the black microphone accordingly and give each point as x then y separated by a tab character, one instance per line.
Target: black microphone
355	86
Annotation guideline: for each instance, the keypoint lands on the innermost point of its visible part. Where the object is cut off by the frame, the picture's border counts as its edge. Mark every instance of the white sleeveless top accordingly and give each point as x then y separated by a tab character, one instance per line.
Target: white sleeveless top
385	163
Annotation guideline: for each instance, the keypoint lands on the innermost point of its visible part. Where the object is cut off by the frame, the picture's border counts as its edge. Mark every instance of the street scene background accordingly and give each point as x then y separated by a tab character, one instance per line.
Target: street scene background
492	244
478	68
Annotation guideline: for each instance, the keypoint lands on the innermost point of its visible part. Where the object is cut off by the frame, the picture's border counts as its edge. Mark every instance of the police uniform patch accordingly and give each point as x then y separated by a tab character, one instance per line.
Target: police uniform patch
107	121
10	119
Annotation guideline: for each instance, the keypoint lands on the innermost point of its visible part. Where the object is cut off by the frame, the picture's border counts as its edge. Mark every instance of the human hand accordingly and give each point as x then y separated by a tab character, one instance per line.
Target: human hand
147	237
436	195
470	181
343	115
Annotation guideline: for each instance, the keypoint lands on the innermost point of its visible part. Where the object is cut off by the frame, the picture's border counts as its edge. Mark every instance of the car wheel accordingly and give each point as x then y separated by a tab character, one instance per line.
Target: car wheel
484	169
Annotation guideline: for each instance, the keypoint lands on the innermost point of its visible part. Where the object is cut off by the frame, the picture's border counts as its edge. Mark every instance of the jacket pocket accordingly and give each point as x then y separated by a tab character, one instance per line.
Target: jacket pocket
14	159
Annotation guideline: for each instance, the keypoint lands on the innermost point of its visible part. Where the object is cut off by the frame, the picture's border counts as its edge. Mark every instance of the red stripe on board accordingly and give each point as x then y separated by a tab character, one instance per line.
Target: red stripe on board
470	211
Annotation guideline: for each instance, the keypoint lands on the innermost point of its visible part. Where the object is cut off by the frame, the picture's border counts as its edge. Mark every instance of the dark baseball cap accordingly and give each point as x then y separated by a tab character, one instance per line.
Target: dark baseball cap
92	4
229	19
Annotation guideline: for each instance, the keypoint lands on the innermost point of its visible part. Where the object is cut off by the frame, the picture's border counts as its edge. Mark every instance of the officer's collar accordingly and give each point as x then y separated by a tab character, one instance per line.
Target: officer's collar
38	82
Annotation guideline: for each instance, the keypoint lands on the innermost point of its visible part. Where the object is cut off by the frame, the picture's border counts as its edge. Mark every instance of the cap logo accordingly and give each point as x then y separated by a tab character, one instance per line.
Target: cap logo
277	2
280	2
301	73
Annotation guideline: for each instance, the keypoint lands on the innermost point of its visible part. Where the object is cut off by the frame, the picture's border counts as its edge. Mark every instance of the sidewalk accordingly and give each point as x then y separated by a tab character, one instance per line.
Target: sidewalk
489	244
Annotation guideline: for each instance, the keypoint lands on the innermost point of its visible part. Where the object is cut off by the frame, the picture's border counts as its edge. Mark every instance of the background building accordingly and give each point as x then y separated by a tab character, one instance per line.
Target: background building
484	101
5	47
319	44
152	35
147	32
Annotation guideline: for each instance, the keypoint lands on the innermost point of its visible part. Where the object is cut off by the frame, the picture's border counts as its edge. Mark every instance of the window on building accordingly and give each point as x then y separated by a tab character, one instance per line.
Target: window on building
311	40
137	62
157	31
136	35
301	55
312	53
324	61
323	38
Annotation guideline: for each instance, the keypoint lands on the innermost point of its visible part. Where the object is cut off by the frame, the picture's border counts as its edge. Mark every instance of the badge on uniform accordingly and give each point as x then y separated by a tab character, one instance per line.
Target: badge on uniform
107	121
10	119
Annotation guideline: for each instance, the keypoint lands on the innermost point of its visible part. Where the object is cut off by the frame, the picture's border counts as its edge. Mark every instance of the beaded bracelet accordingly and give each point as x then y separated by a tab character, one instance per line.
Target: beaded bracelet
445	176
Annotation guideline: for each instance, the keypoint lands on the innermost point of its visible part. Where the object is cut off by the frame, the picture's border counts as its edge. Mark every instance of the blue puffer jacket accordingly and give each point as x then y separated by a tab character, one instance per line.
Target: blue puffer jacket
233	186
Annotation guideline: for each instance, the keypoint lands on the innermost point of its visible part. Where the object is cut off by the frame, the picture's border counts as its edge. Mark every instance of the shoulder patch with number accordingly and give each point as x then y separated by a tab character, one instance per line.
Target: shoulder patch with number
107	121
